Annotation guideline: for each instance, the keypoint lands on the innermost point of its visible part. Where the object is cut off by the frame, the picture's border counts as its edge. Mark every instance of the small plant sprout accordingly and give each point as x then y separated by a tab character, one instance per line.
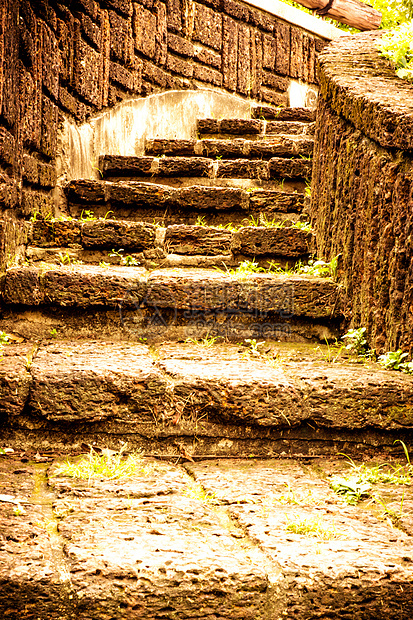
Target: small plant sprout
87	215
104	264
356	342
53	333
127	261
318	268
393	360
306	226
4	338
253	346
357	485
352	490
197	492
66	259
201	221
18	510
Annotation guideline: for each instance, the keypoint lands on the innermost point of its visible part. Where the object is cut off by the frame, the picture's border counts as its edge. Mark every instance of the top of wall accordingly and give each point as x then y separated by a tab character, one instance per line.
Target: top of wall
294	16
362	87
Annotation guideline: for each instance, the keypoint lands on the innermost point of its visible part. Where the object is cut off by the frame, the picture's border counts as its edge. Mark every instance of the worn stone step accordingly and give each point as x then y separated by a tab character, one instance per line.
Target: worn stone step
304	115
233	149
100	246
216	538
151	202
178	289
212	396
157	168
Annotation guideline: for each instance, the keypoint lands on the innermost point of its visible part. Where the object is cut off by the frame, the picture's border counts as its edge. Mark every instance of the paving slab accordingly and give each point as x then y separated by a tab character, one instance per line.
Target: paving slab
212	540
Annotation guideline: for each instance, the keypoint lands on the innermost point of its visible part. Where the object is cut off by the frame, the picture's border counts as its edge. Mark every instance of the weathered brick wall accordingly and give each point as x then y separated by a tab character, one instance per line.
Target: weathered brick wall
362	193
75	57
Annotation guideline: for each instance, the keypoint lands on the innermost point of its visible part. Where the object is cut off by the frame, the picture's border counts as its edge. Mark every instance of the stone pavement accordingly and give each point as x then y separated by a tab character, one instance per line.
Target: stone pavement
211	539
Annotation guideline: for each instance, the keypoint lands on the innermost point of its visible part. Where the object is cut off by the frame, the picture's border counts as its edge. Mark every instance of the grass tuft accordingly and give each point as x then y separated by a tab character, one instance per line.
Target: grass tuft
110	465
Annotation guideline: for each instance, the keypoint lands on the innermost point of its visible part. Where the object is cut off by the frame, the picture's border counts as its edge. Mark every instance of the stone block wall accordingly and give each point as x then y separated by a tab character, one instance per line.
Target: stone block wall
362	193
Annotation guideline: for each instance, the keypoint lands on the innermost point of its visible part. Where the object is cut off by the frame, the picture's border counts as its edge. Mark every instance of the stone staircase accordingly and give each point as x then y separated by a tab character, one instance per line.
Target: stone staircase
160	312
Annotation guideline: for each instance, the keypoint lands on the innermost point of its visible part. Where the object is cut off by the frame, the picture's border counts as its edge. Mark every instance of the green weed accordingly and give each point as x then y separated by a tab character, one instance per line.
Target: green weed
87	216
397	46
357	484
109	464
312	527
196	491
127	261
393	360
66	259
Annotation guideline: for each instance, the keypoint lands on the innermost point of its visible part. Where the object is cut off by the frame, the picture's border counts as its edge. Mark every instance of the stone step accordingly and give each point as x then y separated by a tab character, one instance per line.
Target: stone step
180	289
92	237
151	202
213	397
132	303
157	168
232	149
240	538
303	115
287	123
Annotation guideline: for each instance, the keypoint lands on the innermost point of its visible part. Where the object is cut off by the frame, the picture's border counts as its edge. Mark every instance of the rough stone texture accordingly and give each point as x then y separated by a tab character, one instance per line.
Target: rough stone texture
193	289
15	379
290	114
210	393
289	168
161	544
231	149
91	381
54	233
364	215
183	239
112	234
273	200
74	285
230	126
104	197
259	241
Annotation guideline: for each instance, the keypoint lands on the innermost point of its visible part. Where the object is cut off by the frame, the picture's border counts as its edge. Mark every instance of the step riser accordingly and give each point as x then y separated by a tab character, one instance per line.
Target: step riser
151	242
154	168
169	205
224	442
231	149
187	290
155	326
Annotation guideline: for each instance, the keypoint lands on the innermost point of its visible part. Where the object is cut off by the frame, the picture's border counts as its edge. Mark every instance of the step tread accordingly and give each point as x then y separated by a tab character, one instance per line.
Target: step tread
215	553
300	385
181	289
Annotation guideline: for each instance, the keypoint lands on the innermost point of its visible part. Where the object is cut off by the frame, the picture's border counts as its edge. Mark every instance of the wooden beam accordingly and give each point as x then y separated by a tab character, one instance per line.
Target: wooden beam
351	12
